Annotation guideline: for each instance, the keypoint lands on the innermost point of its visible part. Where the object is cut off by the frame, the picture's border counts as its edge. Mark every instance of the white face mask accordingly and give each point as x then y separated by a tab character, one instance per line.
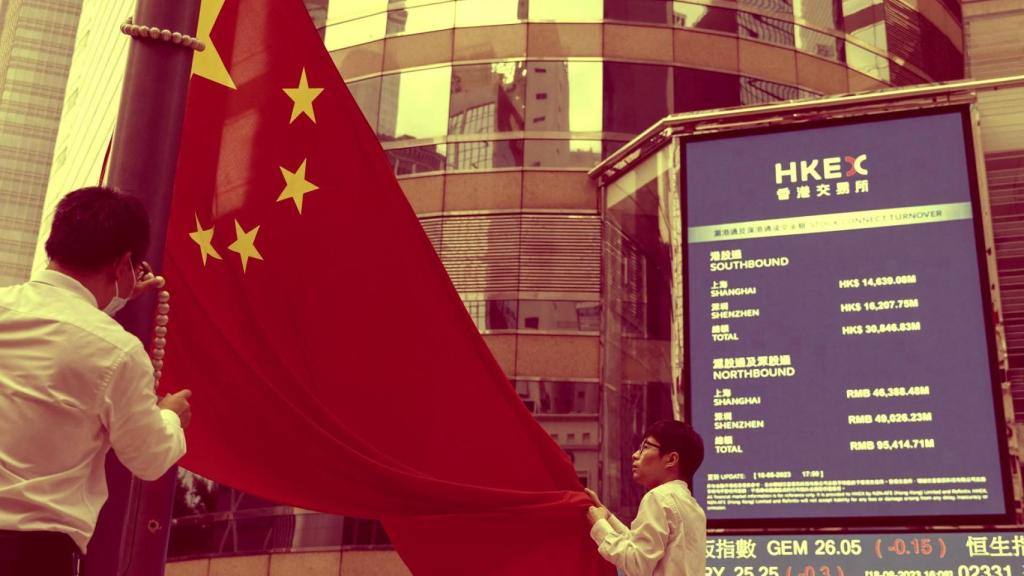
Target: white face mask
117	302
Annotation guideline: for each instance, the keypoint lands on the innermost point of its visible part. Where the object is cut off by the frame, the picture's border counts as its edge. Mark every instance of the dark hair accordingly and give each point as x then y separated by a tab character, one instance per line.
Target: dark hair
681	438
94	226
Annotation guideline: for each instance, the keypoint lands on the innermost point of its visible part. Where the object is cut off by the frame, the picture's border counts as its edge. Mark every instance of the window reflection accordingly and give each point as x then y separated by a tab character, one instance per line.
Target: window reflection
211	519
322	530
851	8
489	12
757	91
317	11
487	98
355	32
865	21
636	241
629	307
559	315
565	10
421	19
783	7
918	41
493	314
819	43
564	96
272	529
367	96
765	29
412	104
563	153
412	3
702	90
636	96
650	11
637	353
867	62
610	146
903	76
485	155
559	396
823	15
417	160
701	17
342	10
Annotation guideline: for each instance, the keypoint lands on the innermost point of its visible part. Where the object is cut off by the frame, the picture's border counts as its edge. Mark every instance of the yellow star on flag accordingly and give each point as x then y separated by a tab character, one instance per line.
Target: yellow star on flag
245	245
296	185
302	98
204	238
208	63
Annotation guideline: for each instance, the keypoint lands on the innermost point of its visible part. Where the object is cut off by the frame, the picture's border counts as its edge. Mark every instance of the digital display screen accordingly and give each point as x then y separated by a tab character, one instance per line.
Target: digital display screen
906	554
839	356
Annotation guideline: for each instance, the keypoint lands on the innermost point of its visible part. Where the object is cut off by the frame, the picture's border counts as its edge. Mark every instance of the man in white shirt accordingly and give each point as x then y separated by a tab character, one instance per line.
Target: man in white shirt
74	383
667	537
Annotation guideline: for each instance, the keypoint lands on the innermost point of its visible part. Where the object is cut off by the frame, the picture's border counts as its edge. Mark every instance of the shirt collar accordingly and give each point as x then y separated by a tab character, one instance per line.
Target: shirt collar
65	282
682	484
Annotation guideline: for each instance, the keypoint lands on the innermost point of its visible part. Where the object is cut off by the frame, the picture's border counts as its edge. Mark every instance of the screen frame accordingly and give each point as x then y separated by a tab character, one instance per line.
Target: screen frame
988	312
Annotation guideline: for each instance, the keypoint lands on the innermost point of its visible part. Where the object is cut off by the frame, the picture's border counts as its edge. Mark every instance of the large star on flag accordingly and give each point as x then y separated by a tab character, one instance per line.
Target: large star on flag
245	245
208	63
296	185
302	98
204	238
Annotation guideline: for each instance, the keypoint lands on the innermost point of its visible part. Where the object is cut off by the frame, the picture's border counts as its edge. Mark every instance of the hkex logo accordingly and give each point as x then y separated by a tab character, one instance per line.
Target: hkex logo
830	168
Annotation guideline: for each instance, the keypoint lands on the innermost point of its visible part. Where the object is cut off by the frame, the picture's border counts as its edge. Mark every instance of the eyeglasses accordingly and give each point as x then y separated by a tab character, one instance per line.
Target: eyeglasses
648	444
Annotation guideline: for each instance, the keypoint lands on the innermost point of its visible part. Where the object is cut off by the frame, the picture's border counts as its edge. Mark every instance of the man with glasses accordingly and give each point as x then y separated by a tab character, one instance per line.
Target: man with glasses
74	383
667	537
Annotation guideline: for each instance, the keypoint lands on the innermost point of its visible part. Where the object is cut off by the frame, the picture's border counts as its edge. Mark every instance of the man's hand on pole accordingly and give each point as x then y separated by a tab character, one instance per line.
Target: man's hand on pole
145	280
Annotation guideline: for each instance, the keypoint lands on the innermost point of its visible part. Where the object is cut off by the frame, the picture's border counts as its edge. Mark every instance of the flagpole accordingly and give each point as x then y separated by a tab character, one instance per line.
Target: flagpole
132	534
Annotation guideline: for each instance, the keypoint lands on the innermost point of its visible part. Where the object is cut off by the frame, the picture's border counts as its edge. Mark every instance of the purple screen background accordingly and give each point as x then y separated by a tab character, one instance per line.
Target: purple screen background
911	161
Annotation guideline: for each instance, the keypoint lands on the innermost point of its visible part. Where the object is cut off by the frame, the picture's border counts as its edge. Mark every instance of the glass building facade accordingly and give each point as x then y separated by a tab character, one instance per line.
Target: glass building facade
995	45
36	44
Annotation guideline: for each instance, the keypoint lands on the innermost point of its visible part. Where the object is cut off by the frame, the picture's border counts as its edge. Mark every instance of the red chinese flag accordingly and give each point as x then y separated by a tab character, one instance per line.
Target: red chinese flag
333	364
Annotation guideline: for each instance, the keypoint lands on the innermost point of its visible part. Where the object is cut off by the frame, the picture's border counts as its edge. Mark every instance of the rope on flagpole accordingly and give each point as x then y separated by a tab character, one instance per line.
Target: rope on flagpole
165	35
163	308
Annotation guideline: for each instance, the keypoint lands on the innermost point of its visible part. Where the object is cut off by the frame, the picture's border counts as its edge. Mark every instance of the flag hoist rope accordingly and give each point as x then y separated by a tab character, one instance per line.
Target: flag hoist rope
163	308
165	35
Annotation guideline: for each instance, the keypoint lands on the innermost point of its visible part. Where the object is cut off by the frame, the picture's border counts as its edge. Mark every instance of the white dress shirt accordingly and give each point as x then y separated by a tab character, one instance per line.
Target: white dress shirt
73	383
666	538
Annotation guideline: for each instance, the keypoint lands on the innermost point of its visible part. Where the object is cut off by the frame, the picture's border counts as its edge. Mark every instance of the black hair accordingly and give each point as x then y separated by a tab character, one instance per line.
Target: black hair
94	226
681	438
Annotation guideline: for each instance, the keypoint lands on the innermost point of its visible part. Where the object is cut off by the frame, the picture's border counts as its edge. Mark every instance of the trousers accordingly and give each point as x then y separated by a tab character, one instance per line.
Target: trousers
37	554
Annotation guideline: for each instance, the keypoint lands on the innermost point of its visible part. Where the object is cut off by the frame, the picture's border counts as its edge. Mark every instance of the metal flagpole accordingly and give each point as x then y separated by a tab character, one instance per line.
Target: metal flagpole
132	534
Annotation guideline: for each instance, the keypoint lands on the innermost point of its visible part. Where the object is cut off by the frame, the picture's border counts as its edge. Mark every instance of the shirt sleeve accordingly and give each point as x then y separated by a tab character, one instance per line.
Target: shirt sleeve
617	524
147	440
638	549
